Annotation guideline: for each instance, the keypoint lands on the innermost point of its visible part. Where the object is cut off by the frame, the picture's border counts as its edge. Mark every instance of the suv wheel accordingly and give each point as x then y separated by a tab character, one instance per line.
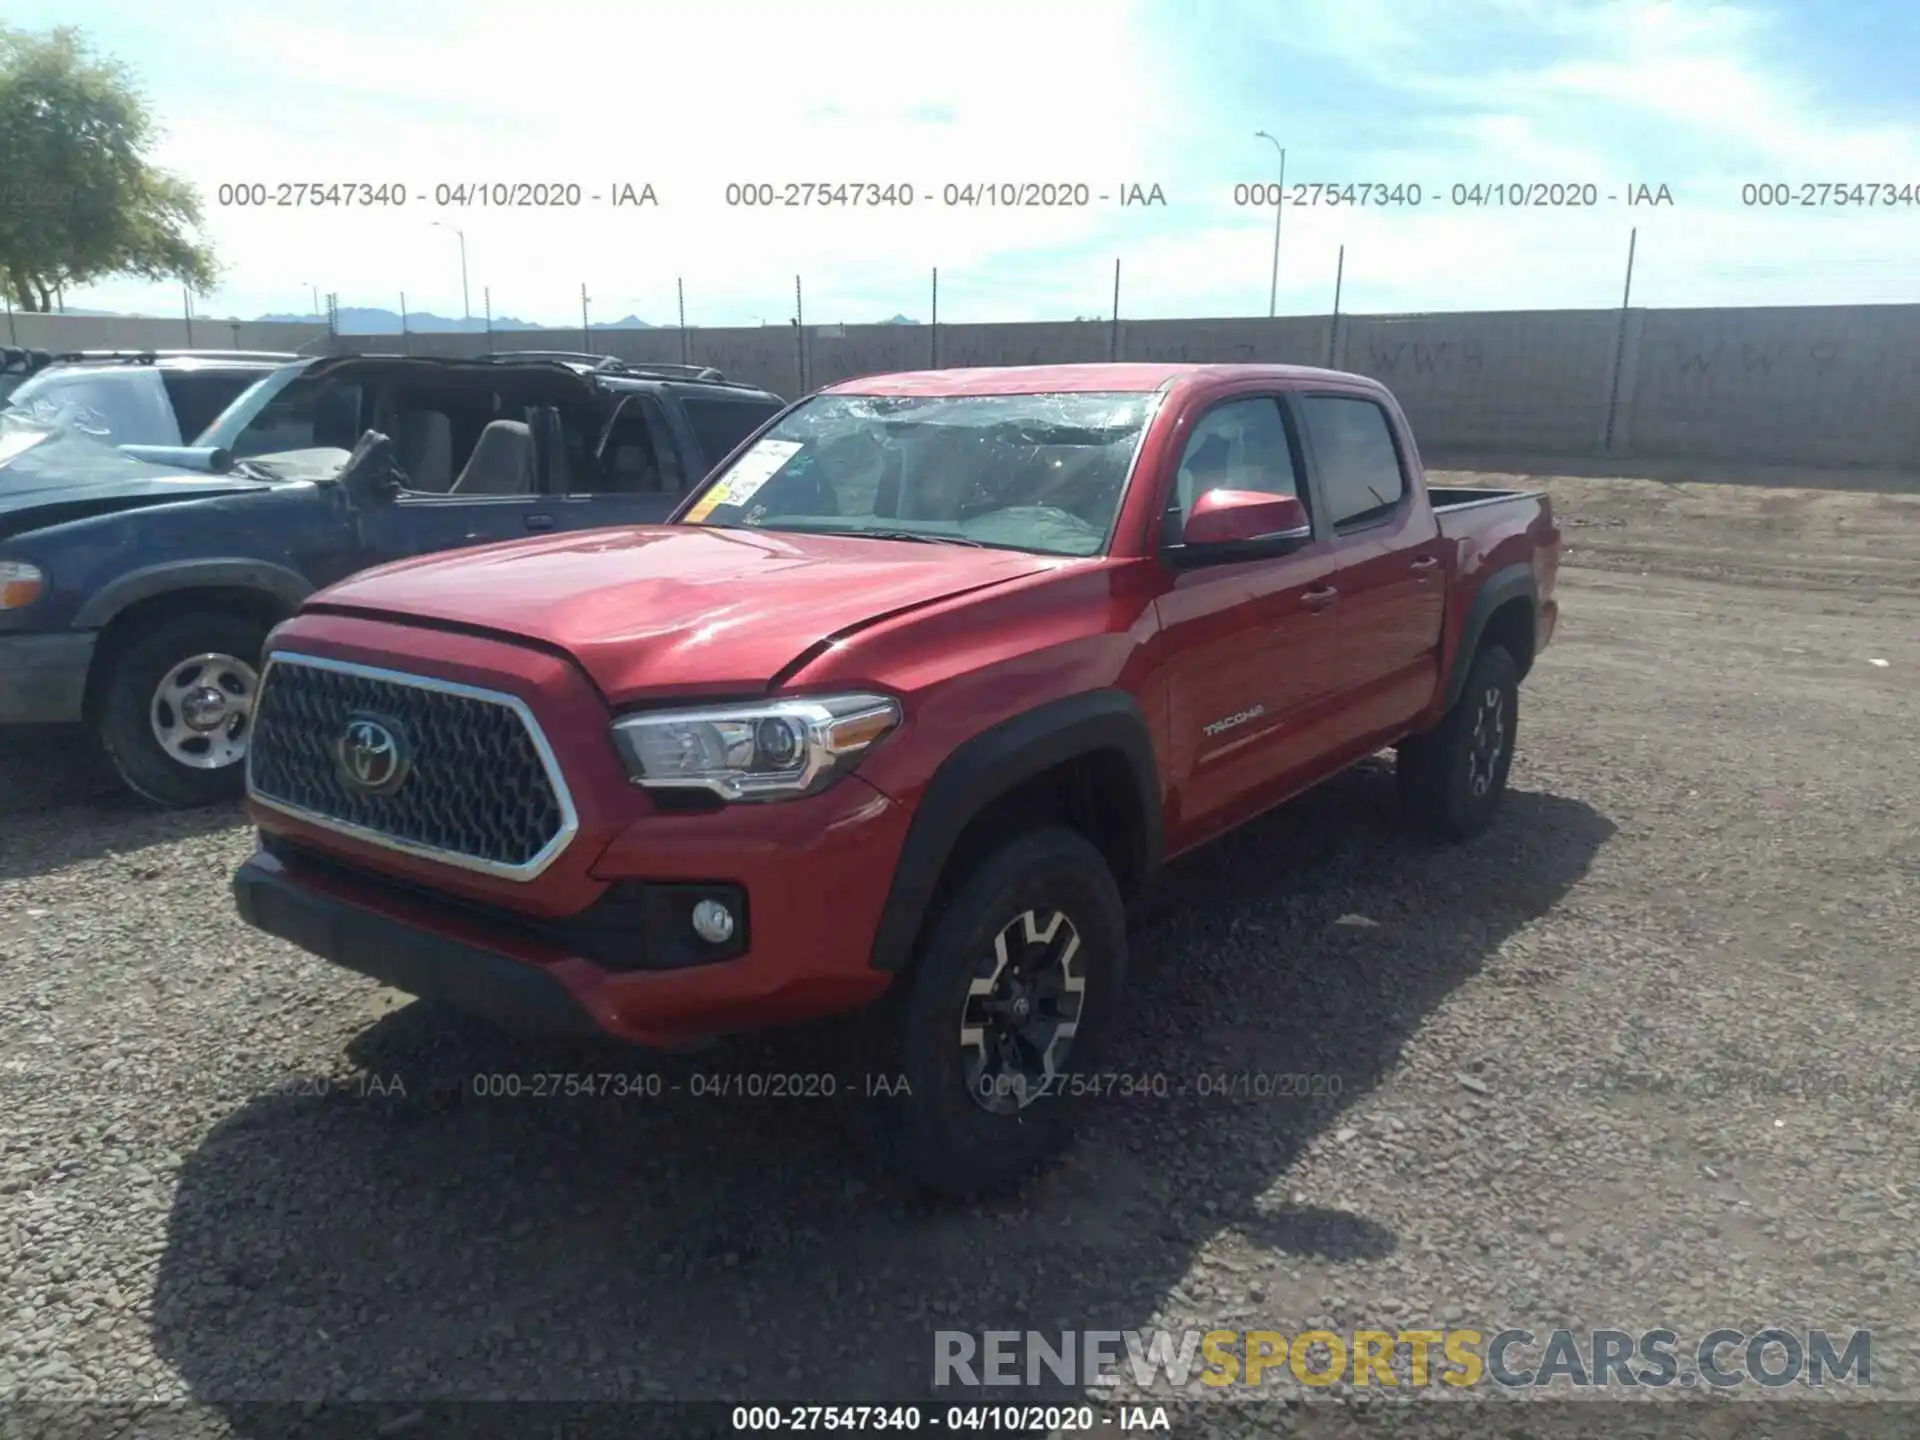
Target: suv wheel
1015	980
1452	777
176	707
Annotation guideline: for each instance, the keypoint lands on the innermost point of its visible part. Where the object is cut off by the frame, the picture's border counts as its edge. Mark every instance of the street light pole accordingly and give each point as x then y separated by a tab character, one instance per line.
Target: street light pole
1279	208
466	305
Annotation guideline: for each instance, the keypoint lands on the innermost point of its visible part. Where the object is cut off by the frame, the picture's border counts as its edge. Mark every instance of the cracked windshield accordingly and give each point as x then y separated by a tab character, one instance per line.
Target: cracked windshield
1042	473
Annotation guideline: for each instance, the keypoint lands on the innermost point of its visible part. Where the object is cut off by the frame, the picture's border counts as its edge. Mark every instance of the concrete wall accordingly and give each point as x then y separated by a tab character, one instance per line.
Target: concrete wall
1818	385
132	332
1812	385
1535	382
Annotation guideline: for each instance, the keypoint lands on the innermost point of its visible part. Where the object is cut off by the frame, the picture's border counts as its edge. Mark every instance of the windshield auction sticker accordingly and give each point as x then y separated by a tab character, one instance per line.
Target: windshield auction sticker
745	479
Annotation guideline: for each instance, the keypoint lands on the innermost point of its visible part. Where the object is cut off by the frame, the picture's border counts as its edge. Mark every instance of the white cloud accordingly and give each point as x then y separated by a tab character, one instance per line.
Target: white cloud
690	97
669	96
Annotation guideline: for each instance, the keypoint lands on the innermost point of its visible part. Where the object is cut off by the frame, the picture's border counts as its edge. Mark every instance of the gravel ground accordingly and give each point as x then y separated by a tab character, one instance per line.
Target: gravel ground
1645	1055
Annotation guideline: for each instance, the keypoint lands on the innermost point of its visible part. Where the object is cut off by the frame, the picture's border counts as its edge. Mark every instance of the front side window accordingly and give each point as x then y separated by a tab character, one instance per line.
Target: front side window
288	411
636	456
1040	473
1241	445
719	425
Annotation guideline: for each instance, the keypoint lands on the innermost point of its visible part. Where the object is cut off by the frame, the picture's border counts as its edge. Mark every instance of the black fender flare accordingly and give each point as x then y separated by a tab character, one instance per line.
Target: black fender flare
285	586
988	767
1510	582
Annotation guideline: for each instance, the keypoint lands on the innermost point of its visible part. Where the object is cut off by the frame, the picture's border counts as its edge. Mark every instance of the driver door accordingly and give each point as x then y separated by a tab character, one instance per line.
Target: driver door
512	503
1254	658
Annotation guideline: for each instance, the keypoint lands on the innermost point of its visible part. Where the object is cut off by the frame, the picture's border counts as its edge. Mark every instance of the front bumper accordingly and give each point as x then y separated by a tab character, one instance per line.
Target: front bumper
812	878
43	678
419	961
602	929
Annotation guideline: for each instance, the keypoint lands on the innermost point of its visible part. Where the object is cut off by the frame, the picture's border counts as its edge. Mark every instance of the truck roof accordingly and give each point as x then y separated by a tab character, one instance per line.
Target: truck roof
1122	376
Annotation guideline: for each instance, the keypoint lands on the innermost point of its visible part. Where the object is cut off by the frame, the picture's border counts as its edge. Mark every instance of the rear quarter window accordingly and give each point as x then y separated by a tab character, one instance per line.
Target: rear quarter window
719	425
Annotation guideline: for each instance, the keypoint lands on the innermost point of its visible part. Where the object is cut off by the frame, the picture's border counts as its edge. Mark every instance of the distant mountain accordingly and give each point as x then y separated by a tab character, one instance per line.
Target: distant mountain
373	320
362	320
359	320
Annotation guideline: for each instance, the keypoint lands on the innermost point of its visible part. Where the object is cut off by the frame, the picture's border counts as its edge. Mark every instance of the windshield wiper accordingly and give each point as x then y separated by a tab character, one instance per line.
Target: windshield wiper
921	536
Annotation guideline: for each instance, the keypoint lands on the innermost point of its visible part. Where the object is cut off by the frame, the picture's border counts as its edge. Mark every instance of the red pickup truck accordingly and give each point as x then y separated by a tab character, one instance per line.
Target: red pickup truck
892	720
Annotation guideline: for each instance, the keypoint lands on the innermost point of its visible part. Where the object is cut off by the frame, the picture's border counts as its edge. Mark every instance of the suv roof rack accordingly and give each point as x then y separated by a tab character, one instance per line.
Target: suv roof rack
614	365
147	357
579	356
16	359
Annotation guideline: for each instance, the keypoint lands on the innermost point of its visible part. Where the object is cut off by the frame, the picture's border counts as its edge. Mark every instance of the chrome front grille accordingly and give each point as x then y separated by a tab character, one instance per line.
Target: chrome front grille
467	778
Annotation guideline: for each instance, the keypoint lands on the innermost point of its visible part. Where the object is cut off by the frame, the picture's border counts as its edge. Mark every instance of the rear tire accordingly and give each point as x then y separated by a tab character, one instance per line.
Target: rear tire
1034	939
1452	777
193	669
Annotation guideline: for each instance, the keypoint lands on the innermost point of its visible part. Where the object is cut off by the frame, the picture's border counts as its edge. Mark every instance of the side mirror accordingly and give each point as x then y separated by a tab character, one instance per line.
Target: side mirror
372	474
1229	525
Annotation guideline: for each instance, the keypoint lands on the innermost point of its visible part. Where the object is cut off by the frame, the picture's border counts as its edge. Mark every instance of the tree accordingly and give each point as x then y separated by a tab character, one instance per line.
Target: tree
79	200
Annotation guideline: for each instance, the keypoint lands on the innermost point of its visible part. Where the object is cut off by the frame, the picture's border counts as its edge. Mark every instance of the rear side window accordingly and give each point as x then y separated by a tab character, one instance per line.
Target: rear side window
199	396
719	425
1354	454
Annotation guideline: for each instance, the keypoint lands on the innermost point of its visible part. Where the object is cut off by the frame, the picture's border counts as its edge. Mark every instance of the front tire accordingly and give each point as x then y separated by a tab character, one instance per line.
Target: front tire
1013	989
1452	776
176	707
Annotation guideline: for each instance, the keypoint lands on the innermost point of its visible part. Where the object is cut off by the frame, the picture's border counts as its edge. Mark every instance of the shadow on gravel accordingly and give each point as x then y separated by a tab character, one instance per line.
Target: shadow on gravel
61	804
441	1245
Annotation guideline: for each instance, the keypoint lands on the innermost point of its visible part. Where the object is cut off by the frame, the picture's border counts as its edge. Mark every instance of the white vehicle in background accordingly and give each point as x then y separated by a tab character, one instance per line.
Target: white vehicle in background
134	397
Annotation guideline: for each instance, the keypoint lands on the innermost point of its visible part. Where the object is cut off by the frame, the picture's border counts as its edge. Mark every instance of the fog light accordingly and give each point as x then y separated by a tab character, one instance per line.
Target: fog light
713	922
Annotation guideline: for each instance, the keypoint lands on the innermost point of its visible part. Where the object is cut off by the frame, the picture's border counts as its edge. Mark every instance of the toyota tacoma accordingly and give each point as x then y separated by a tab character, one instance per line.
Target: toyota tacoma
891	721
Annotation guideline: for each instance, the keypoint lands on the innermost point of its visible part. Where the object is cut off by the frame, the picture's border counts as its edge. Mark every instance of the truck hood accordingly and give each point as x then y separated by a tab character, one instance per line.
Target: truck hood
49	476
663	608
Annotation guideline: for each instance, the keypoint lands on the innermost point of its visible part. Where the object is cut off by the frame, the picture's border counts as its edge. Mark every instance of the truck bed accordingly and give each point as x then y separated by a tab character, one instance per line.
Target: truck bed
1497	526
1459	497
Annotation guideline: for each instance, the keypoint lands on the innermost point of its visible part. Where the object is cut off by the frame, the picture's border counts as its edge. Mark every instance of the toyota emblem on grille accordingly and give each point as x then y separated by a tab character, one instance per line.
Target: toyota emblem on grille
373	755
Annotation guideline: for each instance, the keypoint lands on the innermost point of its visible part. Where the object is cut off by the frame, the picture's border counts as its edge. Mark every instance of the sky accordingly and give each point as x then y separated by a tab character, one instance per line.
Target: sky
1484	95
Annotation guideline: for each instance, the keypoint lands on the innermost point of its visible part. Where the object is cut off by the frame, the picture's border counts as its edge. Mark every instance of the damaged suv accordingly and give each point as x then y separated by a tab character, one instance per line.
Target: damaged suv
137	586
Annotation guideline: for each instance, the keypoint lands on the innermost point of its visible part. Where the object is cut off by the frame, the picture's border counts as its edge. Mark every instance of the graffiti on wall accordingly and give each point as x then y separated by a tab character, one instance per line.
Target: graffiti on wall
1754	357
1423	357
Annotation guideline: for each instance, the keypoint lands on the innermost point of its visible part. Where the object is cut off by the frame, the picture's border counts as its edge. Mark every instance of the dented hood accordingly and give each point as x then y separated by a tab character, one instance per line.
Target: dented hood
662	608
50	475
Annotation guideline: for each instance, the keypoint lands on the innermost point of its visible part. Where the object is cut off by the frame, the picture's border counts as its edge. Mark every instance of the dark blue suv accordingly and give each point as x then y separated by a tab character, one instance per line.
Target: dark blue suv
136	596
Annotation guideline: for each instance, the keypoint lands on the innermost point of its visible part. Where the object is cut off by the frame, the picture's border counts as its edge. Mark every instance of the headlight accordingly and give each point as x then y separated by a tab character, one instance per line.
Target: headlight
772	750
20	584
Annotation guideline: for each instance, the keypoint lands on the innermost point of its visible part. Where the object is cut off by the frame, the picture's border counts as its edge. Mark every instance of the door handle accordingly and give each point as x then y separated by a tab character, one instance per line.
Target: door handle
1425	562
1319	599
539	522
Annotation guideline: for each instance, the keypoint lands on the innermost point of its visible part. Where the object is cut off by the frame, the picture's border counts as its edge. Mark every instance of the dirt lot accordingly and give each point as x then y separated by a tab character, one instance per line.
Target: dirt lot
1646	1055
